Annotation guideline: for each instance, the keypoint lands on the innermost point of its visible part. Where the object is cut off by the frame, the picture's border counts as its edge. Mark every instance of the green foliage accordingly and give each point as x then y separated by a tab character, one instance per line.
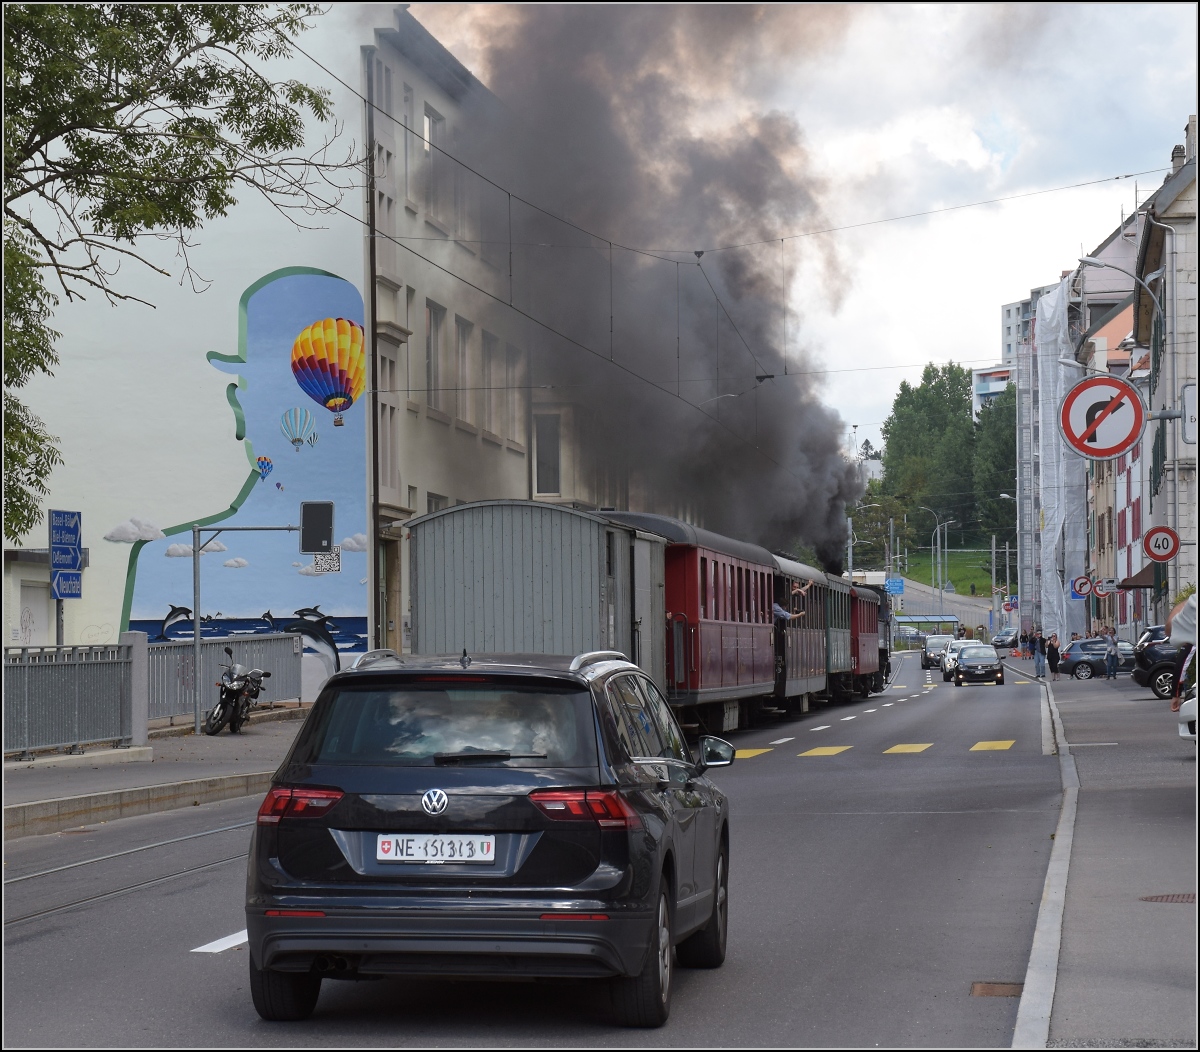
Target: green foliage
964	569
930	441
938	458
995	466
123	121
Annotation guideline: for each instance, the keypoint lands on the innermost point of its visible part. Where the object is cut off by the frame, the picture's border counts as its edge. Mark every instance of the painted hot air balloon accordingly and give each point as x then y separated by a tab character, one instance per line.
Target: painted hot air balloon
296	425
329	364
279	485
312	439
264	467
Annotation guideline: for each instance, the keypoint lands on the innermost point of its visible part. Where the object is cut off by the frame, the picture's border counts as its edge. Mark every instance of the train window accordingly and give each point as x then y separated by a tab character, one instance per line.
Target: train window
753	590
703	587
739	595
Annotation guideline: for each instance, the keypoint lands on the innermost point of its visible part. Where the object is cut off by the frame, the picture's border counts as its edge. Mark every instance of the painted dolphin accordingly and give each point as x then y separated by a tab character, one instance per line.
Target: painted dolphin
317	638
174	616
269	619
313	615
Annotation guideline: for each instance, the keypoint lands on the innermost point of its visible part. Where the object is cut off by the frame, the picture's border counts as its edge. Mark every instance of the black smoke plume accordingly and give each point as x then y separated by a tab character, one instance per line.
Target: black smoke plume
642	125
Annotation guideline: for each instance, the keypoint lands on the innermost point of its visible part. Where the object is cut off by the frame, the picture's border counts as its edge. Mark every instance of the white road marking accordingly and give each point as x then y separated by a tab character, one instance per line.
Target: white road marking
824	728
845	718
227	943
886	704
1080	745
870	710
782	741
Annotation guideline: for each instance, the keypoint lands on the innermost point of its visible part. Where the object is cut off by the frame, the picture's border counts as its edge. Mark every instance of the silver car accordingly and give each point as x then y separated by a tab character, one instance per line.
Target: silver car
949	657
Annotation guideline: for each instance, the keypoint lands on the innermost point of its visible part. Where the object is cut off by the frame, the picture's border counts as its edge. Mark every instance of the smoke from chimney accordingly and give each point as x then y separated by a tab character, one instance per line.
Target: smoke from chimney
653	126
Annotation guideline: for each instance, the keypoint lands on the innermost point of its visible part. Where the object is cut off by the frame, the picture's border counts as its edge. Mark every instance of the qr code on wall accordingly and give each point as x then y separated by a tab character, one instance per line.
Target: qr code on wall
330	562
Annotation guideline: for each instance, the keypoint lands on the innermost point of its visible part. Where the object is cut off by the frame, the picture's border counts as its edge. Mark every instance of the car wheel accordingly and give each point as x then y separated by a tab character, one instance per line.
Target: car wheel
1163	684
1000	682
706	949
958	682
645	1000
1083	671
283	996
945	677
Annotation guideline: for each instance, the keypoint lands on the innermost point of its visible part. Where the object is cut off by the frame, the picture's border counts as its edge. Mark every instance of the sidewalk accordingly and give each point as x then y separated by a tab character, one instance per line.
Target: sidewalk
1127	966
185	770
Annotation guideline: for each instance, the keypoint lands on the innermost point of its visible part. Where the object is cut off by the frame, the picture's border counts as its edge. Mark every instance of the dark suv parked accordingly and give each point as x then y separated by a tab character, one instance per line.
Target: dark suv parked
1085	658
503	816
1154	660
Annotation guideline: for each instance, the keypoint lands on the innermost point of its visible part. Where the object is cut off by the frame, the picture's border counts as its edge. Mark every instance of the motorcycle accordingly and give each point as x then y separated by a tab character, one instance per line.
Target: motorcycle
240	688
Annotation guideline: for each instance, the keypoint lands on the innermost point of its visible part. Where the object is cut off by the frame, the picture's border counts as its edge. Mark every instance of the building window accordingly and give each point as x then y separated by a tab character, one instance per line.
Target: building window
435	502
463	385
547	428
512	395
436	164
406	135
493	383
1135	514
434	315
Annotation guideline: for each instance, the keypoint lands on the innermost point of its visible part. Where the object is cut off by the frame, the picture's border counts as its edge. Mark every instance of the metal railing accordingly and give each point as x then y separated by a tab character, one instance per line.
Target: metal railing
56	697
171	667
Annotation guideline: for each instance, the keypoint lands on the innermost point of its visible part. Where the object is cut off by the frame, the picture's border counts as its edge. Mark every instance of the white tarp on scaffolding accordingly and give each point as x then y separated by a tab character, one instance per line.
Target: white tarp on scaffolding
1063	533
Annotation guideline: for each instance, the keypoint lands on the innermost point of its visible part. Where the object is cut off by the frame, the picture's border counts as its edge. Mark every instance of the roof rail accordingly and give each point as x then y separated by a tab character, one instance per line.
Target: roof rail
594	656
372	657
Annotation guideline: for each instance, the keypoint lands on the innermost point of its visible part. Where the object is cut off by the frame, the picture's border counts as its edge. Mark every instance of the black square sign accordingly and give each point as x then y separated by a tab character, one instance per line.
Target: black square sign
316	526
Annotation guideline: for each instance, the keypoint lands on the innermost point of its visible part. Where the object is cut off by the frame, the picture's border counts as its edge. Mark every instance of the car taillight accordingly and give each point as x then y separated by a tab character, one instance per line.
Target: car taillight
606	807
296	803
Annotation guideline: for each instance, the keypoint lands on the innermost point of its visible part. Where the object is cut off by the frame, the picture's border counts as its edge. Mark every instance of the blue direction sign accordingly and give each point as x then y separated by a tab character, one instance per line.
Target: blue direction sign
66	584
66	554
894	585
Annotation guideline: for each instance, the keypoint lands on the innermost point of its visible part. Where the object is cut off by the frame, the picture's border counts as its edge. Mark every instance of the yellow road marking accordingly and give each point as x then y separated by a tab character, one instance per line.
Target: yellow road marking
989	746
908	748
827	750
1022	682
745	754
899	686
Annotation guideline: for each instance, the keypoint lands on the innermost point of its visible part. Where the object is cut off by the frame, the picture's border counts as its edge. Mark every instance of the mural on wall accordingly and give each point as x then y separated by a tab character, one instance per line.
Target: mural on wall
300	342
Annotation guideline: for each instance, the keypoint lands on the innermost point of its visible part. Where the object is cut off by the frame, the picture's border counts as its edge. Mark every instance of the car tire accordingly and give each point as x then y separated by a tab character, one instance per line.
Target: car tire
1163	683
1083	671
958	682
706	949
644	1000
281	997
1000	682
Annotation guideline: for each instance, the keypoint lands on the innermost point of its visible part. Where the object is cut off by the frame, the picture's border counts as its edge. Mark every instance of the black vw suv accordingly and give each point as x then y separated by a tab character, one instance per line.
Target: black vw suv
502	816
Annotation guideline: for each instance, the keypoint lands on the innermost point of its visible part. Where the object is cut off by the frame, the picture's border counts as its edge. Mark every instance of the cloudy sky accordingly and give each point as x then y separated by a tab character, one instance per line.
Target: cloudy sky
901	110
911	108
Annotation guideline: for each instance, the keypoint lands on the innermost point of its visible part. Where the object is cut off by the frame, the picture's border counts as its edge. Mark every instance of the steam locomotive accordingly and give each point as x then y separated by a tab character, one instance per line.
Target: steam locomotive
693	608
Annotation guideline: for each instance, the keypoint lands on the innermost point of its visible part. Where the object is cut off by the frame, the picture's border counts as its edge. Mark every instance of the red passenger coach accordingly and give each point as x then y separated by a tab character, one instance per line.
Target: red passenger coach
720	638
864	640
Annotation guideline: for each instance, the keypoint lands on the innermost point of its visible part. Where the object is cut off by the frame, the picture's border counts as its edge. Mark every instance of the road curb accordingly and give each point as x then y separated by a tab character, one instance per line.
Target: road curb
52	816
259	716
1041	975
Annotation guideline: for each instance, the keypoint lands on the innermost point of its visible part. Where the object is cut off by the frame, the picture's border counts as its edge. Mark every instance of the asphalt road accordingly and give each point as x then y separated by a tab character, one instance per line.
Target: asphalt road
869	890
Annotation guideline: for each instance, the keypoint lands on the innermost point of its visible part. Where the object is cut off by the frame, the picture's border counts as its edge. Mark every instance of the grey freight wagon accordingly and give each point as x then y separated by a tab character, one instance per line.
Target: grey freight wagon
523	577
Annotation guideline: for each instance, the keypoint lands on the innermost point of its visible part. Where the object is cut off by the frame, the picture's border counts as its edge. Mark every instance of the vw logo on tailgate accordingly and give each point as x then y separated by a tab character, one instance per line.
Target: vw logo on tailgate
434	801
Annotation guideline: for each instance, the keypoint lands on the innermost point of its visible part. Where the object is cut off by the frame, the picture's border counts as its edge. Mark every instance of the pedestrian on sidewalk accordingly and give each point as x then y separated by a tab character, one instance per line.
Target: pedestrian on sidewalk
1024	644
1112	654
1038	645
1052	654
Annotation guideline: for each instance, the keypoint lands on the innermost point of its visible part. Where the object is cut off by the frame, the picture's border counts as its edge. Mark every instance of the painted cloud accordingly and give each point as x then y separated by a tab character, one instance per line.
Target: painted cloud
134	529
184	551
357	543
236	564
307	571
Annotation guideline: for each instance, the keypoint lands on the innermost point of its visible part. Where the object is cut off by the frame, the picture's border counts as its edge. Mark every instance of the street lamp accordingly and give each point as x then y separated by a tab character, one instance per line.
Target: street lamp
934	551
850	540
1091	261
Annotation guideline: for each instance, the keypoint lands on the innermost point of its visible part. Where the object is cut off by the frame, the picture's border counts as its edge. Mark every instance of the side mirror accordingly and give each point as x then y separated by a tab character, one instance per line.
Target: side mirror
714	752
266	675
229	652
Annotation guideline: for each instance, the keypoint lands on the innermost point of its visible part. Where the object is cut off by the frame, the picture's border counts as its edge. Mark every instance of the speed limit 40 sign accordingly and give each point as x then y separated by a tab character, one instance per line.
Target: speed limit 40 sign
1160	543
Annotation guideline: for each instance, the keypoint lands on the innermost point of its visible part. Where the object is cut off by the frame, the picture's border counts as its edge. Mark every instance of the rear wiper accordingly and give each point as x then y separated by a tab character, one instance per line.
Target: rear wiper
457	757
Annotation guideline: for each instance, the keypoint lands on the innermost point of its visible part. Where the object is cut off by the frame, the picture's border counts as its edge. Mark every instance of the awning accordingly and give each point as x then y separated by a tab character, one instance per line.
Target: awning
1144	578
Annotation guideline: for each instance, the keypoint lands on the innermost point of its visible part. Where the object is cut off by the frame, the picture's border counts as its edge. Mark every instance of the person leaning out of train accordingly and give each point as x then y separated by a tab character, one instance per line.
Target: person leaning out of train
797	597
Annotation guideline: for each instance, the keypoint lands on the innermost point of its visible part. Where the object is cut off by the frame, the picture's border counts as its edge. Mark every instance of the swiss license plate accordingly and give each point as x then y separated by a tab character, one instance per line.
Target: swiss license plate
435	848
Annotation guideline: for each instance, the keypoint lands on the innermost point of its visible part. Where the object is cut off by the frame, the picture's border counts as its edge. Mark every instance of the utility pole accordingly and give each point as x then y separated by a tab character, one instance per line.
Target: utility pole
850	547
993	612
1007	586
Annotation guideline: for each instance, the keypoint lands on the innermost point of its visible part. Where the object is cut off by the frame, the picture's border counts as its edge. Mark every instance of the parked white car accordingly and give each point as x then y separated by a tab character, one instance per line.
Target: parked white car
1187	717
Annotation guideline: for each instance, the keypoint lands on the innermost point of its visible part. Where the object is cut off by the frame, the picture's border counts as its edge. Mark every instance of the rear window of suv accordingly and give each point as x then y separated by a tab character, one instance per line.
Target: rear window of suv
480	723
